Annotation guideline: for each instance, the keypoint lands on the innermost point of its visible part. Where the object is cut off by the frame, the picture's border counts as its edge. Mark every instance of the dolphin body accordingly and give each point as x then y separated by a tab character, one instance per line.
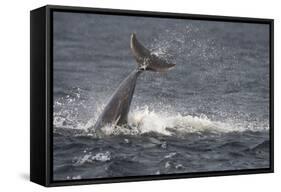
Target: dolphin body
117	109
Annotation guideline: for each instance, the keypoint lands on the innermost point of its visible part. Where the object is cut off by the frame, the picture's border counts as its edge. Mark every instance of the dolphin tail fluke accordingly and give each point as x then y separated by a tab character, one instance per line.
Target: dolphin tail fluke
146	60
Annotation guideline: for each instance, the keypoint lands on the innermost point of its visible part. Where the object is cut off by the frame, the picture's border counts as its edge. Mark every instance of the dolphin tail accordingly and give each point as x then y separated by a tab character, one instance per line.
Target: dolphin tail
147	60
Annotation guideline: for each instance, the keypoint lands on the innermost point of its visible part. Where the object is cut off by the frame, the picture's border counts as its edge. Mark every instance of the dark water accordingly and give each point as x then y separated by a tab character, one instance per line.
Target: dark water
210	113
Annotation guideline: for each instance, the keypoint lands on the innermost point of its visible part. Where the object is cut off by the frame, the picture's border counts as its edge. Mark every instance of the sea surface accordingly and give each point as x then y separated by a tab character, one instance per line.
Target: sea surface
209	113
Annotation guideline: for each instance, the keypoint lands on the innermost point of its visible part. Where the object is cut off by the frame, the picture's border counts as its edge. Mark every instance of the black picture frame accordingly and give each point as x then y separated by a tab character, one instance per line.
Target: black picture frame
41	83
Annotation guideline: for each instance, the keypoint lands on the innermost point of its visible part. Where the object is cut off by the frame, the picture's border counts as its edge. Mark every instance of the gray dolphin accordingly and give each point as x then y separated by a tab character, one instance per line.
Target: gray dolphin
117	109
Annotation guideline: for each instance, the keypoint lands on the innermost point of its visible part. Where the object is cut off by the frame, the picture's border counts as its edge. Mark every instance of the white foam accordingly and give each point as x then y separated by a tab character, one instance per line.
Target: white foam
89	158
78	177
170	155
102	156
144	120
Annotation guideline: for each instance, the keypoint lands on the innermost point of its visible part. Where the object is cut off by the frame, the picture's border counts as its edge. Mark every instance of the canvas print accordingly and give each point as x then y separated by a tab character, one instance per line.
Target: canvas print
139	96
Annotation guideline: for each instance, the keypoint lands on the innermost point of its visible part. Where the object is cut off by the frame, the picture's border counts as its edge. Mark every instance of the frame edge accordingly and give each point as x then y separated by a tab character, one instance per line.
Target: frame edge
37	96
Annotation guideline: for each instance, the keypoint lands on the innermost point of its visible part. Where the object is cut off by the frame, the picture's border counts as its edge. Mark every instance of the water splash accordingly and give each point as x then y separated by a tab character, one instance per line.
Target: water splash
143	120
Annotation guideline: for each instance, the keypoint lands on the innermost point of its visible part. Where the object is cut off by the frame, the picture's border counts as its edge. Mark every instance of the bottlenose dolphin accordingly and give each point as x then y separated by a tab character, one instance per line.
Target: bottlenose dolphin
117	109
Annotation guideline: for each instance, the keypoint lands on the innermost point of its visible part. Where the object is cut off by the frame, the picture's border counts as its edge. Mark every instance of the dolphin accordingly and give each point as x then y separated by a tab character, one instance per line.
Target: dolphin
116	111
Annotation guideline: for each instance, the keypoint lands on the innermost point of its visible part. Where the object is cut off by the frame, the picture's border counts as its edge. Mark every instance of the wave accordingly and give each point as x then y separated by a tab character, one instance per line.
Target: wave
143	120
90	158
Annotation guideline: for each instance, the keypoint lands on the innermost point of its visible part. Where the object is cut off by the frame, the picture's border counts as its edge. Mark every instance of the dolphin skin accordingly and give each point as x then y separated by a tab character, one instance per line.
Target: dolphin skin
117	109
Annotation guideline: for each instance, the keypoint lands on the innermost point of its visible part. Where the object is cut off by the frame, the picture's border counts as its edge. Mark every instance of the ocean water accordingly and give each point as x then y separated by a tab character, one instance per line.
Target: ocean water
209	113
